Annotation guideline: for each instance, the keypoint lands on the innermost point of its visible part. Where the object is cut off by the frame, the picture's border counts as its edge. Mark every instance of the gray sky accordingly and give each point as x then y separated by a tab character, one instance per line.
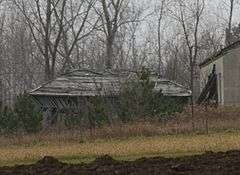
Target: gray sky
216	15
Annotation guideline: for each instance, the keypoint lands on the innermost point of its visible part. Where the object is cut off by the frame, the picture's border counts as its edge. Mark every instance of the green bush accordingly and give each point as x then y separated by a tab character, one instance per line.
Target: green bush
9	121
98	111
164	106
72	120
138	99
29	116
93	115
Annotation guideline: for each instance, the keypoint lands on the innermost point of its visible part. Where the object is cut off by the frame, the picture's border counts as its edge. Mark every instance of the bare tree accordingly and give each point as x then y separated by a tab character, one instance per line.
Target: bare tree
229	29
95	33
230	15
39	17
2	50
77	29
189	17
159	38
112	16
49	23
131	36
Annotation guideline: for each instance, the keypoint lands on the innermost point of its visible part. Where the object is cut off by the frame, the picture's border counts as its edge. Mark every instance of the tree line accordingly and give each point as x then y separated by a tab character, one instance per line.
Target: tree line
40	39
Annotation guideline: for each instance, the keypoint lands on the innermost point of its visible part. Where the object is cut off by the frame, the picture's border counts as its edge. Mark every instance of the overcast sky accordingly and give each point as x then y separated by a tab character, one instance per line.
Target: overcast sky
216	14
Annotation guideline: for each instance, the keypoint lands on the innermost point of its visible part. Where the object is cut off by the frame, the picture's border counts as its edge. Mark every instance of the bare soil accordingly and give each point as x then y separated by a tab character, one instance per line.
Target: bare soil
221	163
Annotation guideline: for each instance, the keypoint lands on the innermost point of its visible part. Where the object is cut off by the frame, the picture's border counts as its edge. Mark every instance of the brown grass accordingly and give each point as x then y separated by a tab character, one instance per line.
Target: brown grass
132	148
214	129
205	120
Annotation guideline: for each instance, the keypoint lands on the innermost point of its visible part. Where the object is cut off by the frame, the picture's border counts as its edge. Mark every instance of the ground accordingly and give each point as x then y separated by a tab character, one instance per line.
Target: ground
121	149
209	163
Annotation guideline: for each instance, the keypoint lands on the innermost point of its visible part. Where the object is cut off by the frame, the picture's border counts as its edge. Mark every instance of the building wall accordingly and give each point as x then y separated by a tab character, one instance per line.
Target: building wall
206	71
231	64
228	72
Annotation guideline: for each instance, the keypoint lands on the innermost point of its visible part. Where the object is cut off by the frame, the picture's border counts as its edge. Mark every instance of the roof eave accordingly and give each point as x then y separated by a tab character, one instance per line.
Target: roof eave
219	54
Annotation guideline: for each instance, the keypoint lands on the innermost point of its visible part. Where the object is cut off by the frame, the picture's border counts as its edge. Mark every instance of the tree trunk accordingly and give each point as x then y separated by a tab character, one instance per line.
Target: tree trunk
48	73
192	89
1	95
109	51
229	30
159	37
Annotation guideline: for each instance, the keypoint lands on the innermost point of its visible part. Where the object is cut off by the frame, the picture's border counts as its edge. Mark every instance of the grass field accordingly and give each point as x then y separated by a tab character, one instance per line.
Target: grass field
124	149
170	138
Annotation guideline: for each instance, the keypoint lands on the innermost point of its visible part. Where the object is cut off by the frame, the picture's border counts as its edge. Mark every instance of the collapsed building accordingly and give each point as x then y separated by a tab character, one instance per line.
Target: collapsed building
73	90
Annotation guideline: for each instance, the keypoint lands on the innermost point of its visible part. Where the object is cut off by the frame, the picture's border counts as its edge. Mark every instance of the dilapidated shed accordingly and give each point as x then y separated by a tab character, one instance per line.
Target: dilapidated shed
72	91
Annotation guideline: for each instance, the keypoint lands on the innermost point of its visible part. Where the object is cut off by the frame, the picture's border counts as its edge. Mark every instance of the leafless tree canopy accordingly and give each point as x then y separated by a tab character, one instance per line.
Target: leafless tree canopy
40	39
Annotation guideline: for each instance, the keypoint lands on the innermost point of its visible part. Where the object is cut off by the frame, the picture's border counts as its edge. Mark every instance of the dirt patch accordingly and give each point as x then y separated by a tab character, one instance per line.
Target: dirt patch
209	163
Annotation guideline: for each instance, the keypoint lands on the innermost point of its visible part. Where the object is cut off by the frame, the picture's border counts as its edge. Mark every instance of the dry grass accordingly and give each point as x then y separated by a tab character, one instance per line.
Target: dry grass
128	141
122	149
205	120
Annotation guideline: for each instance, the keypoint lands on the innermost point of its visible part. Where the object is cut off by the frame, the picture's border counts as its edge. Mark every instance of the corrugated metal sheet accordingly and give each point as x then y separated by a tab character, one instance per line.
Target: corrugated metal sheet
94	83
